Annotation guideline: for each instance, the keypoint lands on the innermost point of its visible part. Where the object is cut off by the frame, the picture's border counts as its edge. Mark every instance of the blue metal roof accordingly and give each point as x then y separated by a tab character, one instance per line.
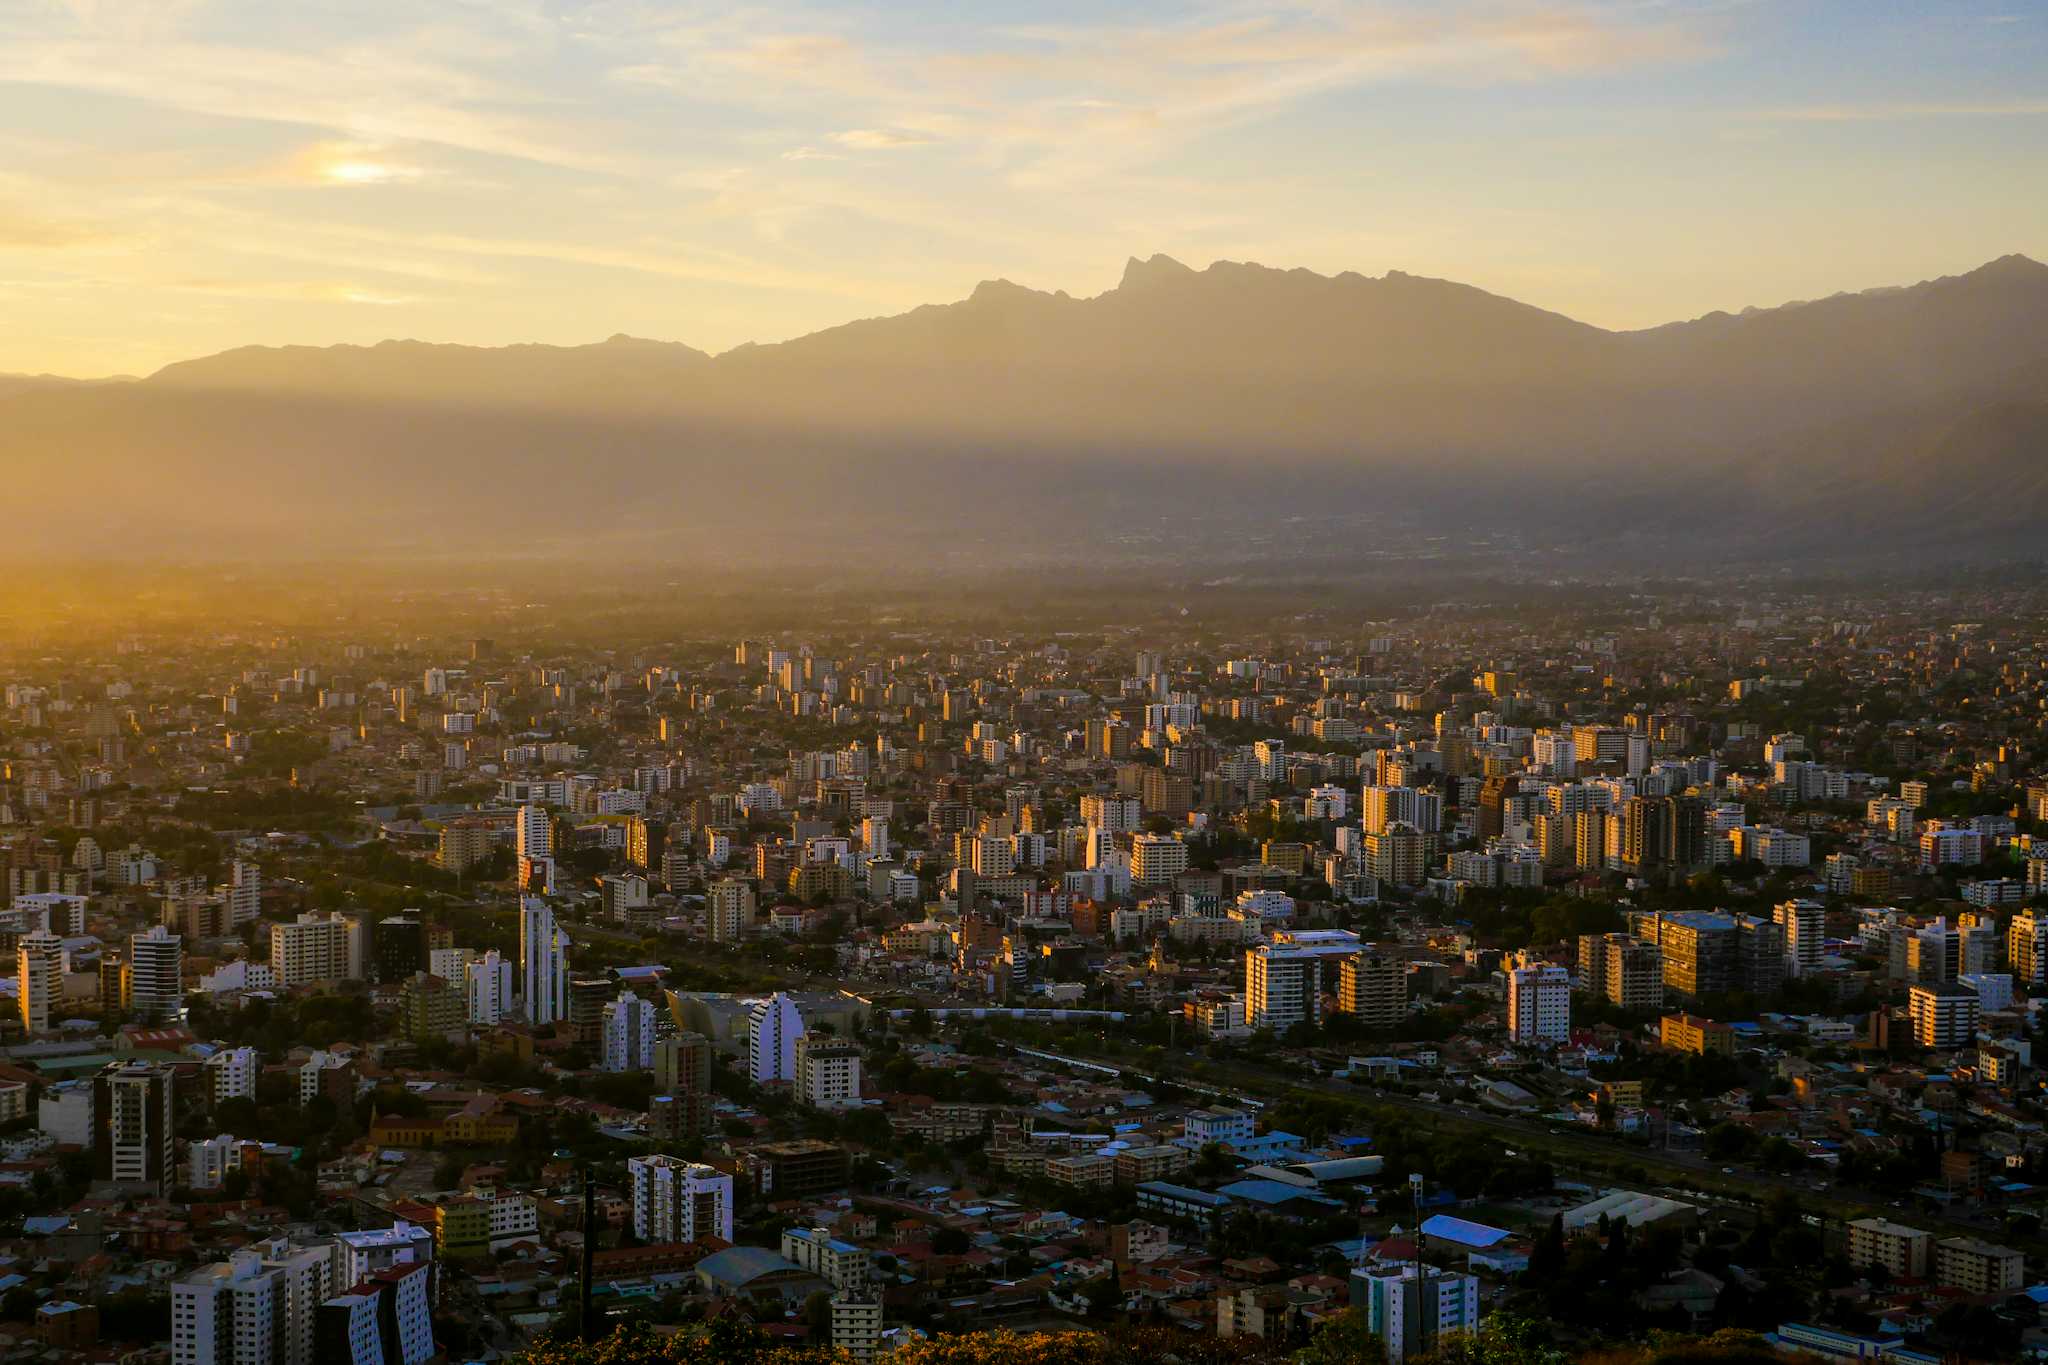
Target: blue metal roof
741	1265
1463	1232
1275	1192
1167	1190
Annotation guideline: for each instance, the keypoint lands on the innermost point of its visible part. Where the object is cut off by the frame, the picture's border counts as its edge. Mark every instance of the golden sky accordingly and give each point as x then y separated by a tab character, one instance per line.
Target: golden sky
182	176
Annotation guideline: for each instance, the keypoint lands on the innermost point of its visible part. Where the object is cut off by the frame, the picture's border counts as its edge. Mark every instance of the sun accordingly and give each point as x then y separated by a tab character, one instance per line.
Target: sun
359	172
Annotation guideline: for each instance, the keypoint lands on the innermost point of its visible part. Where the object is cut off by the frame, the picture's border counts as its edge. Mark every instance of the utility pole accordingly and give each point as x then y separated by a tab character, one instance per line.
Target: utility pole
583	1320
1421	1314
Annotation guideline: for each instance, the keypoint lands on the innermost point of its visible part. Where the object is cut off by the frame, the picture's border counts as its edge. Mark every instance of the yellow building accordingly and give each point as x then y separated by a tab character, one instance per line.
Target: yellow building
1283	854
477	1125
433	1007
505	1042
1622	1094
462	1226
1691	1033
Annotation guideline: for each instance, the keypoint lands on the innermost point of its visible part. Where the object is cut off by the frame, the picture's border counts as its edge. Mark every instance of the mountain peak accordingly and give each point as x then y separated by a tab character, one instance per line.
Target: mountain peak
1160	269
2011	266
991	290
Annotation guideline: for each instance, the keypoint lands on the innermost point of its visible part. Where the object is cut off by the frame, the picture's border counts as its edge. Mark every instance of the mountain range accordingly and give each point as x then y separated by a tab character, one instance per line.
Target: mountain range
1218	416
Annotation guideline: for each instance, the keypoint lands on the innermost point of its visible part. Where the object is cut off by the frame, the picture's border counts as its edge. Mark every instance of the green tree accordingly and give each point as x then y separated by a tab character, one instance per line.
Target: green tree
1342	1339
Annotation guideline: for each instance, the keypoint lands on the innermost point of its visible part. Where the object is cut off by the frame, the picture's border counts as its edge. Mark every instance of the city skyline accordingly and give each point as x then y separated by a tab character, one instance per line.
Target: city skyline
185	178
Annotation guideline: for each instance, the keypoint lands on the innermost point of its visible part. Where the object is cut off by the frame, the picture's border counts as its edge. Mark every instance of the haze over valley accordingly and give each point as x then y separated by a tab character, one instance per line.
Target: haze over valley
1387	411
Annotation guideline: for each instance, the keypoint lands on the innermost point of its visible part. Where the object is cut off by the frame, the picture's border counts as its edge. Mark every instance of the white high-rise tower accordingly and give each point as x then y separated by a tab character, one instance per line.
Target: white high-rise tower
543	963
772	1030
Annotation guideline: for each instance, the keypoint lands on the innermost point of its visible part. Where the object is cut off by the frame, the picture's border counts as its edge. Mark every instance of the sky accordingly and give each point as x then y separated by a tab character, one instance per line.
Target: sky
178	177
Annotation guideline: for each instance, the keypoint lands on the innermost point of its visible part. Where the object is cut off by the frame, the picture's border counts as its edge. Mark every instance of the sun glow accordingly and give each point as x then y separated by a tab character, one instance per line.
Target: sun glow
360	172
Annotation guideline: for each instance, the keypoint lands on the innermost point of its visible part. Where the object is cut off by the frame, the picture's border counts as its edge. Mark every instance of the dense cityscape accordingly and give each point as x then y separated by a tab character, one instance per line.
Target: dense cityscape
1616	968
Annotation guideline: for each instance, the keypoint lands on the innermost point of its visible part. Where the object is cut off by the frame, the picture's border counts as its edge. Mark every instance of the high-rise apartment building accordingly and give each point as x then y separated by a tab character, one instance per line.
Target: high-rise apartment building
1286	979
1622	970
156	985
827	1072
1589	838
534	836
1414	1307
588	995
385	1318
132	1130
628	1034
682	1064
1944	1014
488	984
840	1264
1759	953
729	910
1935	952
543	963
1805	926
1633	976
1599	743
398	948
1556	840
678	1201
642	844
1157	859
1663	831
1701	949
1539	1004
463	844
232	1071
1496	797
315	947
1168	793
1397	855
1373	986
245	893
1117	814
236	1312
39	968
773	1027
113	985
262	1306
534	833
2026	947
433	1007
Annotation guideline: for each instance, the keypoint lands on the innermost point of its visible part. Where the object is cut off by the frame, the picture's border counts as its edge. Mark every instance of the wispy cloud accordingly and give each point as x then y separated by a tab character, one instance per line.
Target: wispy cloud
1108	91
296	291
881	138
23	230
1907	109
393	86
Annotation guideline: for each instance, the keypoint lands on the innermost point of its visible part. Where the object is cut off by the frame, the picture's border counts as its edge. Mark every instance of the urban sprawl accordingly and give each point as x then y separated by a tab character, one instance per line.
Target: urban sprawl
1633	963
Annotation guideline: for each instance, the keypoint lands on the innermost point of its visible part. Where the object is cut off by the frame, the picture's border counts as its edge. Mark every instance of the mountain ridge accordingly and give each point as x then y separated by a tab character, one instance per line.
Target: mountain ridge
1417	407
1138	274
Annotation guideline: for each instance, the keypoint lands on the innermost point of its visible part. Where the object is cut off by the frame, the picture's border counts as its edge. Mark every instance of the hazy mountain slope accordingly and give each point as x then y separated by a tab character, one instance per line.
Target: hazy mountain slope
1421	405
623	370
12	384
